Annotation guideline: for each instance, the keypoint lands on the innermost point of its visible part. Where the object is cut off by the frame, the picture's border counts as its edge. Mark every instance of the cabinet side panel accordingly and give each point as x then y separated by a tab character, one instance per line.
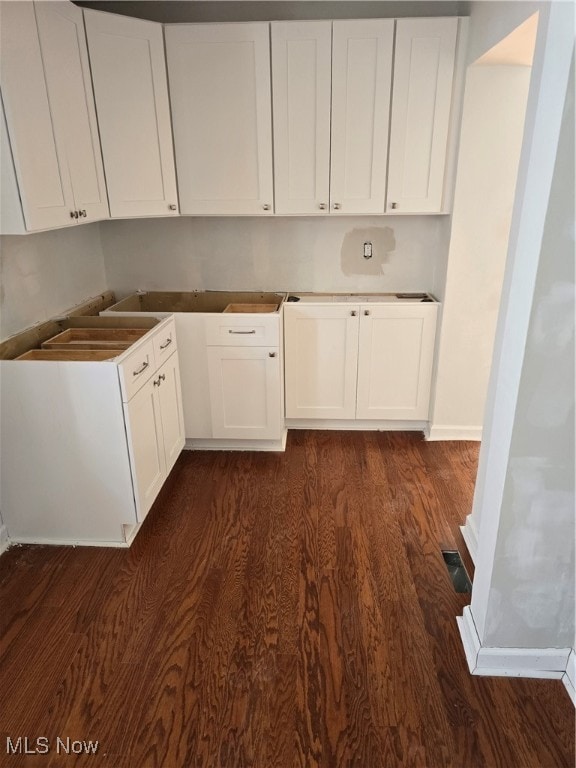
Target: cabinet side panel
64	459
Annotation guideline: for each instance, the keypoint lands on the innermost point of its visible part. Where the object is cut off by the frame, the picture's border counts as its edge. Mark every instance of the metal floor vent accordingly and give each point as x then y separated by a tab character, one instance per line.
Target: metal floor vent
456	570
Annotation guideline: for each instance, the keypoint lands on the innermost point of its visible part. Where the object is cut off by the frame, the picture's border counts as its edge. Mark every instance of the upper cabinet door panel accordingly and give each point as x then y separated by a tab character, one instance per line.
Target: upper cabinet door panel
39	156
220	95
63	45
301	75
361	90
131	92
422	94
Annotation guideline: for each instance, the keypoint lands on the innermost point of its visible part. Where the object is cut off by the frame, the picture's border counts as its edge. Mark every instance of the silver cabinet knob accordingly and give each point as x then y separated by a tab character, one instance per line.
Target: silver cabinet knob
336	206
171	207
393	205
366	312
322	206
271	354
266	207
353	313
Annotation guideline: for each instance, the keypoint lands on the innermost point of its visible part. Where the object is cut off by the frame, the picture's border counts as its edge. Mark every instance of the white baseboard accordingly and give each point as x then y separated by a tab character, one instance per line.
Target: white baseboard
569	678
470	536
216	444
547	663
4	540
448	432
68	542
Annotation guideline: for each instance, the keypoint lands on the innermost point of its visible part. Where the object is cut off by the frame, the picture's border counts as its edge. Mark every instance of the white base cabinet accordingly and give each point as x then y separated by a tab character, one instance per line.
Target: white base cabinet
359	361
87	445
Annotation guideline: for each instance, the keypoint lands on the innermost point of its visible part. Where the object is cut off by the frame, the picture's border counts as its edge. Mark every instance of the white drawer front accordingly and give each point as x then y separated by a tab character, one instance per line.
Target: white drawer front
164	342
136	368
247	331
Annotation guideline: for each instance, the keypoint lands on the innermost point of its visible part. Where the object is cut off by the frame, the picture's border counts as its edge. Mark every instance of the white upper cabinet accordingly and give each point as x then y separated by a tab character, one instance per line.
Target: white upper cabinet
301	76
331	101
361	87
131	92
422	95
220	95
47	95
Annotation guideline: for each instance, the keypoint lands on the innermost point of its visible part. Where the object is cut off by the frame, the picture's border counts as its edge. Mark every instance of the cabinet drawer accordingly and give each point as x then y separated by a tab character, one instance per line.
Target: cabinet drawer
136	368
164	342
246	331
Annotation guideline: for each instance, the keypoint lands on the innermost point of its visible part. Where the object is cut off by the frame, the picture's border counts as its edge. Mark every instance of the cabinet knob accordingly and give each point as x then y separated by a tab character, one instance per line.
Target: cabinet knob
266	207
336	206
366	312
73	214
83	213
322	206
271	354
171	207
393	205
353	313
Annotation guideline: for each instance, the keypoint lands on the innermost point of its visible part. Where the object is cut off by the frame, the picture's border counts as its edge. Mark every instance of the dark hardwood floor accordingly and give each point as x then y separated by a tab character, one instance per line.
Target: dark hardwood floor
275	610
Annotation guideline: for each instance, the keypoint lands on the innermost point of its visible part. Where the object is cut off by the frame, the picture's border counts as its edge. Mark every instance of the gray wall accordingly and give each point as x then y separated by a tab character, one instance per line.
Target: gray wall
280	253
43	274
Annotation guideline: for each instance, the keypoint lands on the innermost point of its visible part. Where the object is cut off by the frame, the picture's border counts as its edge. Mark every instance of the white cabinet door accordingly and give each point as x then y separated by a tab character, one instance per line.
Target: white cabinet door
301	75
39	154
131	93
170	398
220	96
422	95
396	351
146	446
245	392
361	90
321	354
67	72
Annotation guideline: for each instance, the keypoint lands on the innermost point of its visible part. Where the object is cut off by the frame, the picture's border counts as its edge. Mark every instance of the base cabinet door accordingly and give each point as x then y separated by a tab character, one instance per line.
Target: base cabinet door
396	351
321	354
245	392
170	398
155	428
146	446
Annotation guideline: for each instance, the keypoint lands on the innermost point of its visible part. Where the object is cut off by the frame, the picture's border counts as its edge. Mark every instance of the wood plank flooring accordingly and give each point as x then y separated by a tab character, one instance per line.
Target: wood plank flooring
275	611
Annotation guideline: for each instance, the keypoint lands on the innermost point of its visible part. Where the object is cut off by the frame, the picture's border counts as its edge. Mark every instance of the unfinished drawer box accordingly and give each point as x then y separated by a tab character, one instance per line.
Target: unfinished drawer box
98	449
95	338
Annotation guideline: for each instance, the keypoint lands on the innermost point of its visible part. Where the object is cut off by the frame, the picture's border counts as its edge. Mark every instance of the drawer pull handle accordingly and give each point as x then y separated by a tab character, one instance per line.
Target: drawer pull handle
243	332
166	344
271	354
141	369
